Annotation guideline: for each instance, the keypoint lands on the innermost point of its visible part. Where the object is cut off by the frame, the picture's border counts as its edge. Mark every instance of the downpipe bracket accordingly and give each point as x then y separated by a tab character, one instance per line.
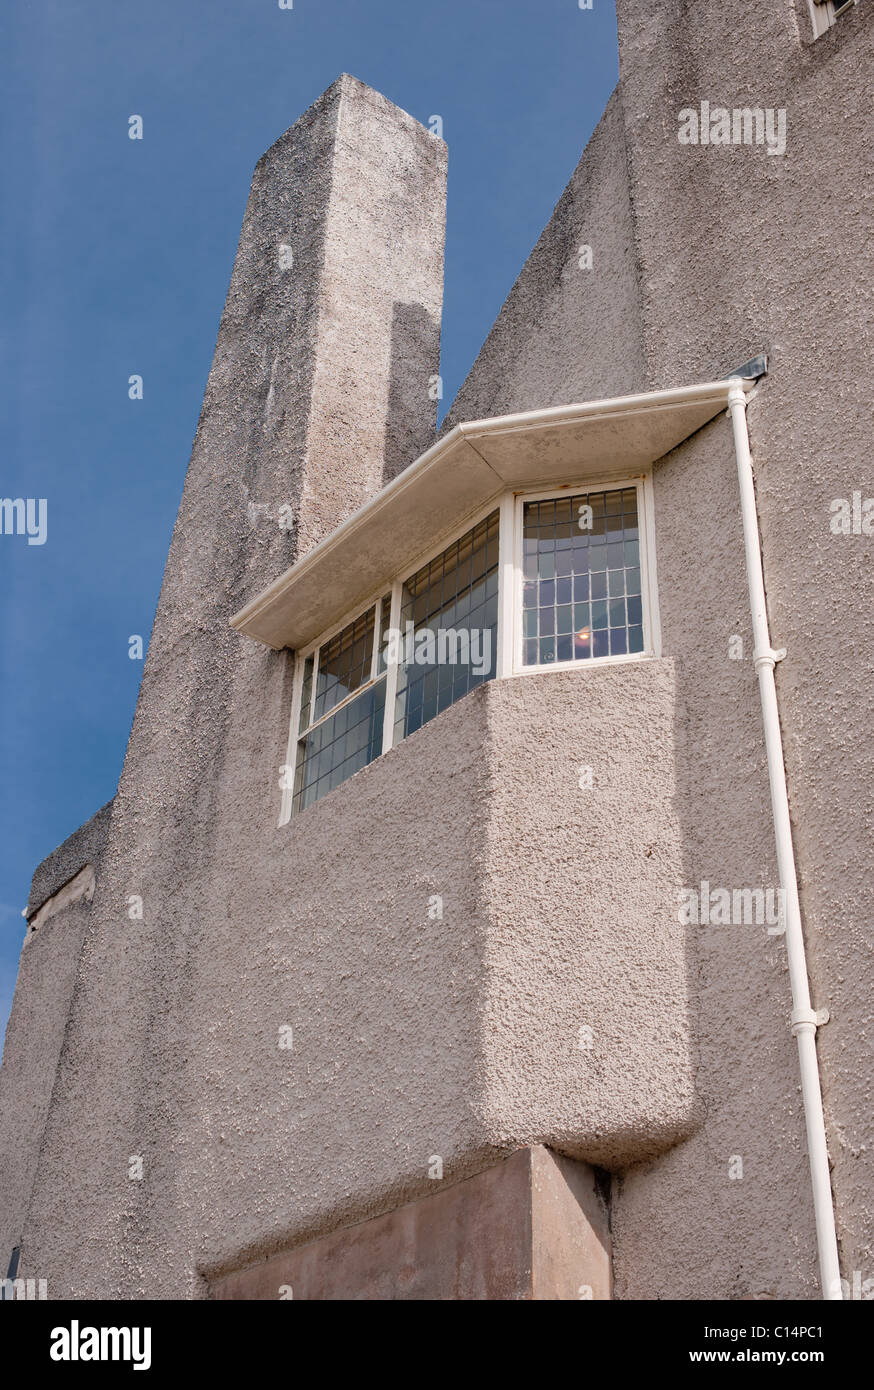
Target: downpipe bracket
769	656
808	1020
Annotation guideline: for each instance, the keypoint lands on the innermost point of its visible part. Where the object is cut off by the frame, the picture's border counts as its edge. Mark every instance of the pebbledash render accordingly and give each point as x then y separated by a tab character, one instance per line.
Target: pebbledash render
487	900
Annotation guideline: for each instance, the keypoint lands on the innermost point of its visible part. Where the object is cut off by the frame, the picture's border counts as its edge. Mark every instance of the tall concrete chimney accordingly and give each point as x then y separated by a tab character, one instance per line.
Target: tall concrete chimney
319	390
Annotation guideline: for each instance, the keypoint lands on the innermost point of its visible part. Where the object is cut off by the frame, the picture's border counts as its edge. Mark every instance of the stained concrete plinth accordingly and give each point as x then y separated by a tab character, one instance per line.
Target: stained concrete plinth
532	1227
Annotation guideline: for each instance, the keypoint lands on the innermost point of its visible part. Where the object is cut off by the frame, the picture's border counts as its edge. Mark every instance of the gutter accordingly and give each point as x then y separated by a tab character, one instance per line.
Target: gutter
805	1020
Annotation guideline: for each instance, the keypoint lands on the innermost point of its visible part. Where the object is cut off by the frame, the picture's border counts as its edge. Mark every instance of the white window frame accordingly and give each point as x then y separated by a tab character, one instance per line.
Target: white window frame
823	15
425	557
294	733
648	584
508	656
395	589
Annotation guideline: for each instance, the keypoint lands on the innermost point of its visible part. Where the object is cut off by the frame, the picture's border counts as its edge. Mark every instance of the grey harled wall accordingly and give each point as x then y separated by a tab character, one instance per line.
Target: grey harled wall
414	1037
84	846
683	1227
380	295
580	896
35	1032
411	1037
733	251
741	251
283	421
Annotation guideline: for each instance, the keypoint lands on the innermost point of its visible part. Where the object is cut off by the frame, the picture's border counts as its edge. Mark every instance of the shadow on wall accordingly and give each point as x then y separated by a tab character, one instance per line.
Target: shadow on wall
718	1193
411	415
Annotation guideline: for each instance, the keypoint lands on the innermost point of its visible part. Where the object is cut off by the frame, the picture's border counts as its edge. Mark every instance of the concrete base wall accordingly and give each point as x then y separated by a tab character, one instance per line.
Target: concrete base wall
532	1227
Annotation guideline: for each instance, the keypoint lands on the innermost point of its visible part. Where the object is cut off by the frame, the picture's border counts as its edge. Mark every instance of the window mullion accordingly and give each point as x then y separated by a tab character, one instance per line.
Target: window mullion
652	631
391	675
509	565
314	688
292	745
377	639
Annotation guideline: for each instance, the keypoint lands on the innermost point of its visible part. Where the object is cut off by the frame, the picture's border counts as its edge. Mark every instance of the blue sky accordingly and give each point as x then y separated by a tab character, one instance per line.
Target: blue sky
117	256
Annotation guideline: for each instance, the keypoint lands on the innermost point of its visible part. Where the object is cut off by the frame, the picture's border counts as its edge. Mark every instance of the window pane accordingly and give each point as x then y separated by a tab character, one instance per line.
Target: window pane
582	549
449	622
340	746
344	664
615	582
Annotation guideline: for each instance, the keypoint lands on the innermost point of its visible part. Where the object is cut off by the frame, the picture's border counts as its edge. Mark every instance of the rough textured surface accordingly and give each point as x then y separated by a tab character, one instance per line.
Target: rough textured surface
380	291
81	885
59	911
685	1227
580	891
732	254
531	1227
409	1040
209	734
460	1037
740	251
84	846
34	1039
407	1033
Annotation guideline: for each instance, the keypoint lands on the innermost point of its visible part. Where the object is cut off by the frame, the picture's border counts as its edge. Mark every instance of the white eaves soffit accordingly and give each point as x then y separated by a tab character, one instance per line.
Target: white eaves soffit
456	477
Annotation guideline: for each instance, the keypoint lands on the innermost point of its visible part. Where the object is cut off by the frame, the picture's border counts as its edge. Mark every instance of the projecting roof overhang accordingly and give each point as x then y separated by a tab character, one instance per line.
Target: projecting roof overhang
457	476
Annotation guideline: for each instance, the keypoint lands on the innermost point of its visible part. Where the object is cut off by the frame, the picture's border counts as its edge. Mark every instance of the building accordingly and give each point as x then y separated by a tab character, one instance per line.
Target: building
472	1023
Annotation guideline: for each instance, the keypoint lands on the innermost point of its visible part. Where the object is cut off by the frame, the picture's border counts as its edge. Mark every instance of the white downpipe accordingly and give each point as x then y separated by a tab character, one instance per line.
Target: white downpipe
804	1018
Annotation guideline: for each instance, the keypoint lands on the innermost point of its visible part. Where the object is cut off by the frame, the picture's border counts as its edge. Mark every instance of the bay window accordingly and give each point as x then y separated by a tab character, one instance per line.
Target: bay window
550	580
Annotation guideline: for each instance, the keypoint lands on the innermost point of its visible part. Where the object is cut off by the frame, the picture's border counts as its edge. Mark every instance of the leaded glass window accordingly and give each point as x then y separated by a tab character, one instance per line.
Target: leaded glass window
581	582
342	729
448	628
